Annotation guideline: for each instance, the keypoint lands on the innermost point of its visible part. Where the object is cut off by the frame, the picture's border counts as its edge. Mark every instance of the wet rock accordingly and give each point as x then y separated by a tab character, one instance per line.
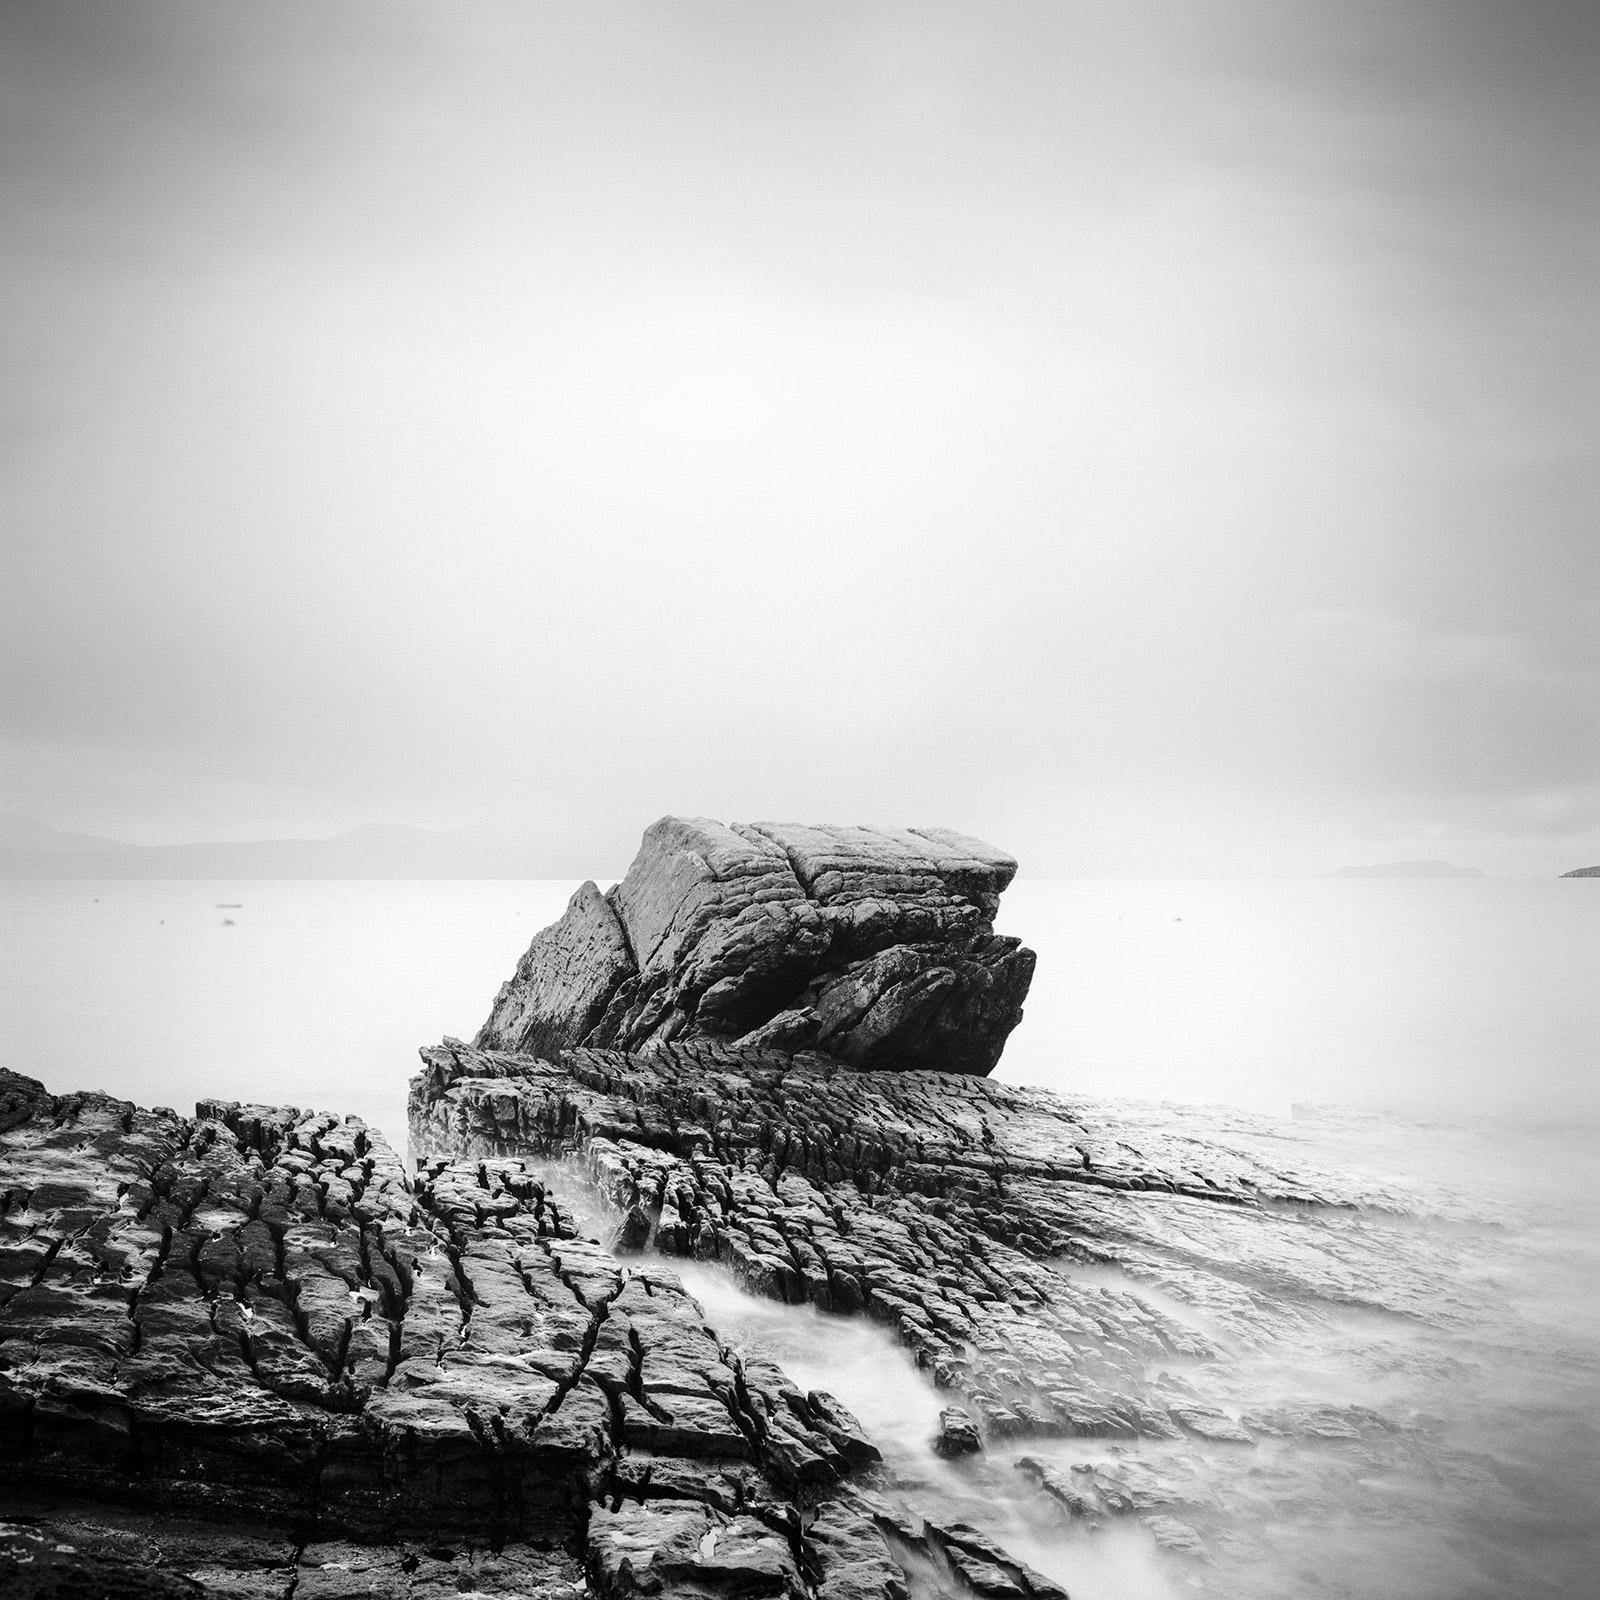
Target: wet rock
985	1567
218	1332
1178	1537
563	983
645	1549
958	1434
841	1428
1206	1422
849	1554
255	1309
1061	1488
875	946
34	1565
96	1551
633	1232
1082	1277
955	1210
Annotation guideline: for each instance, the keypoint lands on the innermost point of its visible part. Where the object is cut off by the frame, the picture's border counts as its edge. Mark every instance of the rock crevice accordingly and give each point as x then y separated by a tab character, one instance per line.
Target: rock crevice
254	1322
250	1353
873	945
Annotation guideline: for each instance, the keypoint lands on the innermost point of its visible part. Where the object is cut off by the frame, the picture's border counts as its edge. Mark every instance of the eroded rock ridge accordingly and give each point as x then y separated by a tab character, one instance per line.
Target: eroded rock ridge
1087	1285
943	1206
873	945
245	1353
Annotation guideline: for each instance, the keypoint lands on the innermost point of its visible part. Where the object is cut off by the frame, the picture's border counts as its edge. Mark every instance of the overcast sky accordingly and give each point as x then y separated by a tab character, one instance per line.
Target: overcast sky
1161	438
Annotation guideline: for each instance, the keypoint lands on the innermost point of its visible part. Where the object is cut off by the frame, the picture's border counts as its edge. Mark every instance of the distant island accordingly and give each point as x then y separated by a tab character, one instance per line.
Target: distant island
31	849
1582	872
1409	869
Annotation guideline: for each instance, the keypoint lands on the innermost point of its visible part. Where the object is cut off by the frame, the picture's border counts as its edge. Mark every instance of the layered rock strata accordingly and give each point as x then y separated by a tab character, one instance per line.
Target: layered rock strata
1078	1280
244	1353
248	1353
941	1205
873	945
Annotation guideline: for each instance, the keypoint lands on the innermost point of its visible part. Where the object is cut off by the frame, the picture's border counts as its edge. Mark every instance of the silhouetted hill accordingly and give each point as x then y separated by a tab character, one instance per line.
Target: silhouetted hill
1582	872
31	849
18	832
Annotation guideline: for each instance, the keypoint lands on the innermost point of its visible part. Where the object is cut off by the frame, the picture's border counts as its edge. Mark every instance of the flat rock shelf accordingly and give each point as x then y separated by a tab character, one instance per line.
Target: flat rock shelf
1061	1272
253	1320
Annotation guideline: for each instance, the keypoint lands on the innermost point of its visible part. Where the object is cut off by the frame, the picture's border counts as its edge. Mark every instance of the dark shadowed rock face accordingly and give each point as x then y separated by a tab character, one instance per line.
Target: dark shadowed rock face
245	1353
875	946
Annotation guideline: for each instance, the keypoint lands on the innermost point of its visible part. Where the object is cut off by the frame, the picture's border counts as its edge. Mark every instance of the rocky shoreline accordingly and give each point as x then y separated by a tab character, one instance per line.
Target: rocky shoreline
254	1319
250	1353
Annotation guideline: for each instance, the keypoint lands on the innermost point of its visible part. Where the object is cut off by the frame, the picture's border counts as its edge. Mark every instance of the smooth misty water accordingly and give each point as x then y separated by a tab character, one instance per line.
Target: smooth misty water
860	1363
1452	998
1471	1007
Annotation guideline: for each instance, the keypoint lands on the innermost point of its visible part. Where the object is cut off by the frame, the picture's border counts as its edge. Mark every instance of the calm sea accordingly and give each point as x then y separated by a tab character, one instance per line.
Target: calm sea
1459	999
1441	1033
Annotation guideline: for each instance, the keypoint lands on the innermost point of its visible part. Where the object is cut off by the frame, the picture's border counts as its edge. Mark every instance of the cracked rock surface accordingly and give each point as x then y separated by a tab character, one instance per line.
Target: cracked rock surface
244	1353
952	1209
1091	1288
873	945
251	1353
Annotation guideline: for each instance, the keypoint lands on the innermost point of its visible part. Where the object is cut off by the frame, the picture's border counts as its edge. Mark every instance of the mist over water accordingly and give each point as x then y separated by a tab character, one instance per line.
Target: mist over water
1448	999
861	1364
1453	1452
315	994
1436	1039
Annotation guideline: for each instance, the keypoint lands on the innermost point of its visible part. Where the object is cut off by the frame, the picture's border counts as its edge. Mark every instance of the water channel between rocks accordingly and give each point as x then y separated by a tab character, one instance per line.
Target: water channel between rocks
1422	1456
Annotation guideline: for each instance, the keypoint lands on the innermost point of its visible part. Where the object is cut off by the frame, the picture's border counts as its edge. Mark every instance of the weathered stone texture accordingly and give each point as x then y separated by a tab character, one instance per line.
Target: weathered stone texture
54	1550
873	945
246	1353
563	983
1069	1274
937	1203
254	1318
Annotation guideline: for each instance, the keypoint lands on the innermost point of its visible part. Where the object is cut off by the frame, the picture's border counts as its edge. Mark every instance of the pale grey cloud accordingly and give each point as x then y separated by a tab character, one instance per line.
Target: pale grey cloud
1154	435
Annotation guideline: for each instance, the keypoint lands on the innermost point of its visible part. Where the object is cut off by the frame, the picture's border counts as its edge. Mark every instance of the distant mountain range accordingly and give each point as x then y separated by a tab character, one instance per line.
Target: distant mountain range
1409	869
30	849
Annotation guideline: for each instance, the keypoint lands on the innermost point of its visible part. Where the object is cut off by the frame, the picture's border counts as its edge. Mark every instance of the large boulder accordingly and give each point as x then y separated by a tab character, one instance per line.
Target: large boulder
875	946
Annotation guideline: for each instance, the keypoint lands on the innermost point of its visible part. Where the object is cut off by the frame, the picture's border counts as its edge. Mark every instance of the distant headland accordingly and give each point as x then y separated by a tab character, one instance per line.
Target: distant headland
32	849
